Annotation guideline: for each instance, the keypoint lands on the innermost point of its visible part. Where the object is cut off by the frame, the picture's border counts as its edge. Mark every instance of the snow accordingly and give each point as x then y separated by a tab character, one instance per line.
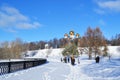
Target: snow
105	70
54	69
45	52
114	51
10	60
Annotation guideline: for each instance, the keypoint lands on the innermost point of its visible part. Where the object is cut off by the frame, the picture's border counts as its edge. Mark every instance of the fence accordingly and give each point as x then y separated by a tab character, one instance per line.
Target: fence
12	66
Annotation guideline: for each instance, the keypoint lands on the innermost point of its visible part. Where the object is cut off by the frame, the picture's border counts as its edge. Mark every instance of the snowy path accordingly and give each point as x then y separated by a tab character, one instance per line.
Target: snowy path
56	70
76	73
48	71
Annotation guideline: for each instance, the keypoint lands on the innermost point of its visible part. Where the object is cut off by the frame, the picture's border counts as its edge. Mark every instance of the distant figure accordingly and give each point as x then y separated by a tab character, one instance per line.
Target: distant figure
78	60
81	52
61	59
97	59
65	59
68	60
109	57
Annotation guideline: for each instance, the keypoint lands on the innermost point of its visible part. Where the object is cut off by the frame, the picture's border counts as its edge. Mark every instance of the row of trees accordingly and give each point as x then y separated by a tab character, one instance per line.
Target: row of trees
115	41
93	40
60	43
55	43
15	48
12	49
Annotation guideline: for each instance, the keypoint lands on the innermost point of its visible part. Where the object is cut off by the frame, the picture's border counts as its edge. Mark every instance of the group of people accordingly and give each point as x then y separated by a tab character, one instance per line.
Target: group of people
68	59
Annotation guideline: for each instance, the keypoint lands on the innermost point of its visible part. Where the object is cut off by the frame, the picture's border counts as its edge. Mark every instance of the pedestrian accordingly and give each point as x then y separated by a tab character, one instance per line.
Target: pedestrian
61	59
78	60
68	60
72	60
65	60
97	59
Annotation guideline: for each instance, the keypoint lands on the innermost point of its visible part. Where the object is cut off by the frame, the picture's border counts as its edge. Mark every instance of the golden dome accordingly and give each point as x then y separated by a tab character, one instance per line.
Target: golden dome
71	32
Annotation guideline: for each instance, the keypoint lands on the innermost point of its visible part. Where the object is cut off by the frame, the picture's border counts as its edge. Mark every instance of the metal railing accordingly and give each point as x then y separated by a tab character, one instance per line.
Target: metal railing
12	66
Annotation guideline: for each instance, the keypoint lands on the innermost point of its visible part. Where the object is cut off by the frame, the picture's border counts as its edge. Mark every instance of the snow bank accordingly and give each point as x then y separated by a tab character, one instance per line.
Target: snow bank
57	70
105	70
114	51
45	53
10	60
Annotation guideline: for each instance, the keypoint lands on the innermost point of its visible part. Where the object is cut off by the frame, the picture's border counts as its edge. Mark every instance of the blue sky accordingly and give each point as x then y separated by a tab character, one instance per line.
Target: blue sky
34	20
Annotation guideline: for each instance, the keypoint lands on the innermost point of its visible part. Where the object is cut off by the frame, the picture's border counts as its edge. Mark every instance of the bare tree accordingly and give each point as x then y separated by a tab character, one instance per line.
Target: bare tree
98	38
55	42
16	48
89	41
115	40
5	49
105	48
94	40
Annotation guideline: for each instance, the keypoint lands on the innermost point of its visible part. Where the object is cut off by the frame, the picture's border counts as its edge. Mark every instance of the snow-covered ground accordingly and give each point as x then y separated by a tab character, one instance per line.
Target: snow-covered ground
54	69
44	53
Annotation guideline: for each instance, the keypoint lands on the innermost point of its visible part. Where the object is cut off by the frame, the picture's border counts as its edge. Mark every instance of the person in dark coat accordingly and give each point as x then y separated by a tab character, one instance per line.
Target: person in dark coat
97	59
61	59
65	59
72	60
68	60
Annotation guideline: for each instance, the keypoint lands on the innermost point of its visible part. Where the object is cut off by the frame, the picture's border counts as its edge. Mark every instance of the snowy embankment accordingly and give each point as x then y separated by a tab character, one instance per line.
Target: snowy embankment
113	51
44	53
56	70
105	70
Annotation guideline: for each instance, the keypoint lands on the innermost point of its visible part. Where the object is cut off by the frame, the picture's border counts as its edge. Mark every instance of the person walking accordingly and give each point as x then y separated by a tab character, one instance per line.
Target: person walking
72	60
78	60
97	59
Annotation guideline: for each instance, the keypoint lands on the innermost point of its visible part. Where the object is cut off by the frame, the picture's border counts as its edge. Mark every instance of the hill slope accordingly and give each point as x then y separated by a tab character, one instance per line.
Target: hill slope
112	50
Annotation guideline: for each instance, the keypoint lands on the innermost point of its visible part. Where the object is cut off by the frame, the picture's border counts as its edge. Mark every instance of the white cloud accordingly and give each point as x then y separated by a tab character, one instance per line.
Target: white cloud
108	5
25	25
113	5
12	18
11	30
